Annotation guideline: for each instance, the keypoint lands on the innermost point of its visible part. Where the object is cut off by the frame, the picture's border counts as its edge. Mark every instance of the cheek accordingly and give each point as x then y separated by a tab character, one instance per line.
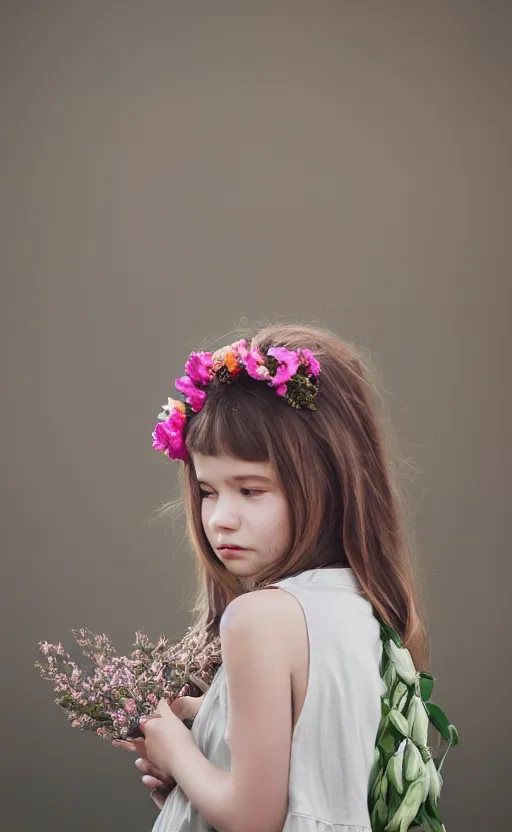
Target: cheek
205	516
275	520
285	525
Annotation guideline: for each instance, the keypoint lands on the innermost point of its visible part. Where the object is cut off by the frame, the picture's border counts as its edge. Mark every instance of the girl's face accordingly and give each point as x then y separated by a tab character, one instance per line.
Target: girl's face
243	506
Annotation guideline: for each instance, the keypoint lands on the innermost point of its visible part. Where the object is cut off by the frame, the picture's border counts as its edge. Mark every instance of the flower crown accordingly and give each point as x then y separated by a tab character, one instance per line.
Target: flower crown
292	373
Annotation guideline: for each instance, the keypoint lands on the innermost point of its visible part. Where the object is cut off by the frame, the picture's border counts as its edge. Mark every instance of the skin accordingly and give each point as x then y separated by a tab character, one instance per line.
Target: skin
157	781
243	504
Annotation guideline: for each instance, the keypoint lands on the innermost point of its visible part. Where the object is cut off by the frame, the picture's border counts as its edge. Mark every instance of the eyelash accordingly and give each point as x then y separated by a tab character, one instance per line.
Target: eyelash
253	491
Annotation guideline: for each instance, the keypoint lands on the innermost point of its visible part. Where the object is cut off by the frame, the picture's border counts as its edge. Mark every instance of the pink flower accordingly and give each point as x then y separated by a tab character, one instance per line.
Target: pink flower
253	363
199	367
75	676
240	348
194	396
168	435
169	441
311	362
130	706
288	365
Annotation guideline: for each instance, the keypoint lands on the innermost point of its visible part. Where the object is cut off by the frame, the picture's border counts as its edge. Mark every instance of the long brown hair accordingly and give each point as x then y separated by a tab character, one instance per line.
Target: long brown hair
336	467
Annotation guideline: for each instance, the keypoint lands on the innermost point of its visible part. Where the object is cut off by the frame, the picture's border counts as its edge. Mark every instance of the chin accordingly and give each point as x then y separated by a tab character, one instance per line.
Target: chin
240	568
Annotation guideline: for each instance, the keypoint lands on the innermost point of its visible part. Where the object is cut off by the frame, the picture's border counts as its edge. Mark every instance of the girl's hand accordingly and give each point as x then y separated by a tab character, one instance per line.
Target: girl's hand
186	707
161	786
164	732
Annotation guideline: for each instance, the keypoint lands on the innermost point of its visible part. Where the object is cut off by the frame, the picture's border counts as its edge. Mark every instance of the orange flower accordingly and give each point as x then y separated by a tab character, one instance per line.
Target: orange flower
231	363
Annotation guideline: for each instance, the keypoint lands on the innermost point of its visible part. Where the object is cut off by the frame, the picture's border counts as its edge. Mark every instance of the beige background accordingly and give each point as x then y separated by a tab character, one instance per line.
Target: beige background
172	168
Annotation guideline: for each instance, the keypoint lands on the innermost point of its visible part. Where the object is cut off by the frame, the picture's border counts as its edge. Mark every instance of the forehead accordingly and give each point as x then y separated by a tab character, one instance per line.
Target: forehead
224	467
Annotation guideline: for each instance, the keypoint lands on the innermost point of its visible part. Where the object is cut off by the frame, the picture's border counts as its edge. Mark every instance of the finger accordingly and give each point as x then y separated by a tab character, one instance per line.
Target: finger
199	683
143	721
158	797
186	707
149	717
153	782
179	707
126	745
145	767
163	707
137	745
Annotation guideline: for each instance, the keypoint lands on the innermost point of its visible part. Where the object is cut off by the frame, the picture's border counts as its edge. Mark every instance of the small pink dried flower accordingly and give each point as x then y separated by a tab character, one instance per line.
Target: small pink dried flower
111	695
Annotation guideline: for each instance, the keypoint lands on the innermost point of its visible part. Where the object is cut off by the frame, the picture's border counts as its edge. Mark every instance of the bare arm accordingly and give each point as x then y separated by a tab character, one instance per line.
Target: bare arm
253	795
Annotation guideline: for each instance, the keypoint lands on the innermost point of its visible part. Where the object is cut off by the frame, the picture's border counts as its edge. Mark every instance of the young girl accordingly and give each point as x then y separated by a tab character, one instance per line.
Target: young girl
295	519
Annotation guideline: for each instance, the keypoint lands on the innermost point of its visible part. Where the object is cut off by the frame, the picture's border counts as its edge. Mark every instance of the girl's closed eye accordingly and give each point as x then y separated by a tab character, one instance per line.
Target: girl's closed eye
253	492
249	492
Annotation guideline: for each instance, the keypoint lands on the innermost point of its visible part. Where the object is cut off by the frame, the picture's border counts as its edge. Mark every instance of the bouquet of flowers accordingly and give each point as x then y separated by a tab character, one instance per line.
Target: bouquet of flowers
111	693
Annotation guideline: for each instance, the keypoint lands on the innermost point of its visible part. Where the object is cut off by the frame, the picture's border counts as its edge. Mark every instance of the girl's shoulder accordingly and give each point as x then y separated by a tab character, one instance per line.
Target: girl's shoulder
265	612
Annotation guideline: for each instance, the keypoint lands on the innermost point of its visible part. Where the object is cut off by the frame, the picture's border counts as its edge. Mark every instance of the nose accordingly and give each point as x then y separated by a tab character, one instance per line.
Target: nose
223	517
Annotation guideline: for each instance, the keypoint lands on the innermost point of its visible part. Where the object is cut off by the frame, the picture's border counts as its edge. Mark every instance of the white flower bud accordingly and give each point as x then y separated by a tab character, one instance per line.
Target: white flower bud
427	783
384	783
399	721
402	660
379	813
435	781
376	786
394	769
399	696
408	809
417	717
414	766
389	676
375	767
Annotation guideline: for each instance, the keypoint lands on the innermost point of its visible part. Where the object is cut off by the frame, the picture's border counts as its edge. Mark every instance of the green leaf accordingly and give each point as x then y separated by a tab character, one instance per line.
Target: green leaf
432	809
439	719
394	801
426	685
435	825
387	742
454	735
423	818
388	632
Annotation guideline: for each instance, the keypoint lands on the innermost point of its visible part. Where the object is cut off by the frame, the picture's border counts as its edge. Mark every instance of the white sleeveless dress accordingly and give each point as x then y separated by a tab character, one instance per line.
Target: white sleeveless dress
334	738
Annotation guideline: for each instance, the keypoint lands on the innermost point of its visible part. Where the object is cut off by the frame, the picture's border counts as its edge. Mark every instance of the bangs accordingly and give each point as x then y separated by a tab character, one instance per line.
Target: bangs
236	420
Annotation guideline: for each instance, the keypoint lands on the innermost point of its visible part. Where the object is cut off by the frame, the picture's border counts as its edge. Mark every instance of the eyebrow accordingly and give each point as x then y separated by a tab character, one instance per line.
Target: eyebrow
259	477
243	477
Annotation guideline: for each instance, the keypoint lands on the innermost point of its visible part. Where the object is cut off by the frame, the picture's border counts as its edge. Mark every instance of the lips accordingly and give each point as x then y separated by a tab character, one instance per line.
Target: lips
231	552
231	549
